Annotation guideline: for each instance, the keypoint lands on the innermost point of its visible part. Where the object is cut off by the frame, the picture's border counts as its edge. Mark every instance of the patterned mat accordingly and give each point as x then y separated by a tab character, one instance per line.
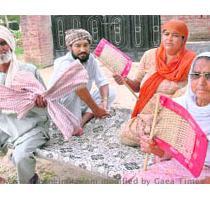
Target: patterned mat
98	149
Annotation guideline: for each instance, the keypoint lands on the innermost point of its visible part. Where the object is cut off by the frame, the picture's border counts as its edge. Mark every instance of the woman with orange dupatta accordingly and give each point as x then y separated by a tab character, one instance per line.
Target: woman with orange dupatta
162	70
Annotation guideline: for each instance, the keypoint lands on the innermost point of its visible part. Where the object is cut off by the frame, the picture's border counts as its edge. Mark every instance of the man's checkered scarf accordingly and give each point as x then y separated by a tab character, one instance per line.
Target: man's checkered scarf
21	96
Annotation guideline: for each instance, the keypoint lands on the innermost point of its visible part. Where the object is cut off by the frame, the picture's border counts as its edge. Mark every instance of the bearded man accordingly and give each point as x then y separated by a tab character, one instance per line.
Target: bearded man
84	103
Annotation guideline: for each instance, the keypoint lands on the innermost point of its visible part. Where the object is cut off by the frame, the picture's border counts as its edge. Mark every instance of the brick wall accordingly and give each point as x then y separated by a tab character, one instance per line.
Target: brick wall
199	25
37	39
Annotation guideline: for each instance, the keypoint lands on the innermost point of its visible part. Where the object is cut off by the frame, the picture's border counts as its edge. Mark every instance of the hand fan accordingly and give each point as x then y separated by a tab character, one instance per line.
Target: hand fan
177	133
114	59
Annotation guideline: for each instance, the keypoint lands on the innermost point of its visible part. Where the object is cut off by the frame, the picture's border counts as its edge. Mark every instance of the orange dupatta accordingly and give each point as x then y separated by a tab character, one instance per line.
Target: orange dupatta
176	70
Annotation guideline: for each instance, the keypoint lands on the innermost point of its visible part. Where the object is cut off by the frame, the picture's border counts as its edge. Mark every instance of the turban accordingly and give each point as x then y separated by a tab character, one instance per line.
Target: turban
74	35
6	35
176	25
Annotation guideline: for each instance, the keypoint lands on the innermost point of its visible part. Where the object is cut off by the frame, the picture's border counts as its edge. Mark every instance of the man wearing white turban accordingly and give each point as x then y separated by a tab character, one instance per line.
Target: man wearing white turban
27	134
95	103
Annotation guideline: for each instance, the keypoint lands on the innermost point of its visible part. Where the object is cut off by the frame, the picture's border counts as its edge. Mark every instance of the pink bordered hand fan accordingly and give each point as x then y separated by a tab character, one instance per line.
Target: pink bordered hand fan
114	59
177	133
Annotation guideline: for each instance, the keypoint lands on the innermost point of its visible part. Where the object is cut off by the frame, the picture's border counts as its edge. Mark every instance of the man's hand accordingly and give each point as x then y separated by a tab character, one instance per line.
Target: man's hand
100	112
40	102
4	68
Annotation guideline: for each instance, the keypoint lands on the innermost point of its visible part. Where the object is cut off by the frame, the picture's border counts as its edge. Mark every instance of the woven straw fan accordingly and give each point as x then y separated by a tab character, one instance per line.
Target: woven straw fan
177	133
152	129
114	59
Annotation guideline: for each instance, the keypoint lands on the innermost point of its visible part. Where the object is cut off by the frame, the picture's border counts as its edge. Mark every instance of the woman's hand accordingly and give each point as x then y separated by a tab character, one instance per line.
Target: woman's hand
149	146
206	180
118	78
40	102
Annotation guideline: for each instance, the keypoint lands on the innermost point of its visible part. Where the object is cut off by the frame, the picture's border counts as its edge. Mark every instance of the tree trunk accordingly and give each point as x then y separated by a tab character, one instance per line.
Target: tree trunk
6	21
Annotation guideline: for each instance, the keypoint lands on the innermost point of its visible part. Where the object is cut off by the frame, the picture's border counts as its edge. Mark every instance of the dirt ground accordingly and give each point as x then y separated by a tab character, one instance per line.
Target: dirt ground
50	172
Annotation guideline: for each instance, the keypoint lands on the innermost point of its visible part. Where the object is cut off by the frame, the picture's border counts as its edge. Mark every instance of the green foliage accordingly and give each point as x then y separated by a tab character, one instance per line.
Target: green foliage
19	43
12	179
19	51
11	18
46	176
18	38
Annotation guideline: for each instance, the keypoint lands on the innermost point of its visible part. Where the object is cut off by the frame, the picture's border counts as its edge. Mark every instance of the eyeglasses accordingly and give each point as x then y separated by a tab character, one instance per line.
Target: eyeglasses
3	43
197	75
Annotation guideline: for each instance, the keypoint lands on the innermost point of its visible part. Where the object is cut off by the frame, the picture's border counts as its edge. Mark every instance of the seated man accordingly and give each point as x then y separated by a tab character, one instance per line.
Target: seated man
94	103
27	134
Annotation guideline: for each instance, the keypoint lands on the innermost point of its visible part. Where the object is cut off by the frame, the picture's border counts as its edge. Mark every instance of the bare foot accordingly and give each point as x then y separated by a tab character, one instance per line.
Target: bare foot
2	180
86	118
79	132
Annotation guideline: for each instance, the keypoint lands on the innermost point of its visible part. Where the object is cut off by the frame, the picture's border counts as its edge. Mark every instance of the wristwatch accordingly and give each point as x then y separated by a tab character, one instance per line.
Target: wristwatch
2	77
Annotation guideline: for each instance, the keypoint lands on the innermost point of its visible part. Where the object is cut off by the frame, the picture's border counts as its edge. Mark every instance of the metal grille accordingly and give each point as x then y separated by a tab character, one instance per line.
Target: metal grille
132	34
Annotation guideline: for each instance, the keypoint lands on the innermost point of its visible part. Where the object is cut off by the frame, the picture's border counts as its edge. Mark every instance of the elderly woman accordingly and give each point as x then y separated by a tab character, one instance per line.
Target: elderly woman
197	101
162	70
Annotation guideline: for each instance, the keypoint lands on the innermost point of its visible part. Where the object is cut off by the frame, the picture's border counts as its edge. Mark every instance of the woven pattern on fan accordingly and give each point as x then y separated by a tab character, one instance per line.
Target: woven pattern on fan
114	59
177	133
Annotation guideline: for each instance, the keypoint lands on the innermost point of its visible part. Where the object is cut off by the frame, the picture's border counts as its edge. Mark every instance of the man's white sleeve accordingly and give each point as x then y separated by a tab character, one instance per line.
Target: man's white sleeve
100	78
58	68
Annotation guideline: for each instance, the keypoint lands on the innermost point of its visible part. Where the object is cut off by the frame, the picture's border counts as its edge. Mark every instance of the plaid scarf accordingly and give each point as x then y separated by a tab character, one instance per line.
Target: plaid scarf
21	96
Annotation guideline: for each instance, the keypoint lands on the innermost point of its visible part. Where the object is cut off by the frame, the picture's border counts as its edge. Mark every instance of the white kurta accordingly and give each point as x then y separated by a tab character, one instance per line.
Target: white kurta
96	75
26	134
36	118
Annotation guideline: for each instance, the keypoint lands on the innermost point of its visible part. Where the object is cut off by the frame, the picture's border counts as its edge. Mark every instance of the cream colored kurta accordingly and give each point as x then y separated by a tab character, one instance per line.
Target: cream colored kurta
96	76
147	68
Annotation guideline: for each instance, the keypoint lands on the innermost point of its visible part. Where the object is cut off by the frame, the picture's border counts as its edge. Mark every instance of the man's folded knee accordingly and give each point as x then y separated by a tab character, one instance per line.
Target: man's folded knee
21	156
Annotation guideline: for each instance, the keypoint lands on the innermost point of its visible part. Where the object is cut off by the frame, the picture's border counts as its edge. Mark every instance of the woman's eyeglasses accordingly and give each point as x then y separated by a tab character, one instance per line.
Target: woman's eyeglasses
197	75
3	43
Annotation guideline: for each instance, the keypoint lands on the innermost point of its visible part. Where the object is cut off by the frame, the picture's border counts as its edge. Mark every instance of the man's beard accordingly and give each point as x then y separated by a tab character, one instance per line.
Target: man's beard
83	59
5	57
